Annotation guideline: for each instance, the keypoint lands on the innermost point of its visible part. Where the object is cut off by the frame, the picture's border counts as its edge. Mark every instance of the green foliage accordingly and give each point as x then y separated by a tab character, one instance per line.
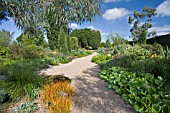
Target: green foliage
145	58
139	31
108	43
64	59
37	39
101	58
4	51
141	76
21	80
50	16
74	43
27	107
16	50
63	46
144	91
31	51
5	63
102	44
116	39
68	43
94	39
87	38
52	61
5	38
80	53
26	49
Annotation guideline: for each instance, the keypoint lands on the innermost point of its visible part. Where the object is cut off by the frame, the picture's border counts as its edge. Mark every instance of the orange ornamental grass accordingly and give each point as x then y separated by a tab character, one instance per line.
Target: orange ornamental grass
57	97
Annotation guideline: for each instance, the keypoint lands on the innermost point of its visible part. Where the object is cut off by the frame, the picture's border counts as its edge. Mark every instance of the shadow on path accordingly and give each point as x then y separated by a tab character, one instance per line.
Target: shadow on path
93	96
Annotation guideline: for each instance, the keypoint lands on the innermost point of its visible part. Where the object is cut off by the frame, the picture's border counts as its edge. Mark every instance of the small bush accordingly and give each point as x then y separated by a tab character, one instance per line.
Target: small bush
4	51
21	80
52	61
80	53
64	59
101	58
57	97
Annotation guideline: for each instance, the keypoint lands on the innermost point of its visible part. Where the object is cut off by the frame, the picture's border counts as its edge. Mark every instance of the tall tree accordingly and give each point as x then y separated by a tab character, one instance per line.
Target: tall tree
48	15
31	14
141	24
107	44
94	39
62	42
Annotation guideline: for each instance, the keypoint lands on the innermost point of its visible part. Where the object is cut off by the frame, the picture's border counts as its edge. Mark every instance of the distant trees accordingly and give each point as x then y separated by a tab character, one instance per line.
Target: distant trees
116	39
5	38
108	43
87	38
5	41
141	24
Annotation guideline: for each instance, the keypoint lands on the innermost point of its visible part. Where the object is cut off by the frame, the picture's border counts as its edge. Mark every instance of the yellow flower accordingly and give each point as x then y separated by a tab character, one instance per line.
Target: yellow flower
154	56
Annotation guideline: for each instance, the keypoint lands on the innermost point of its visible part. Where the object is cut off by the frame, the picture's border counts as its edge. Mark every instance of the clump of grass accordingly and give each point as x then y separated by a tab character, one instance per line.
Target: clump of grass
57	97
21	80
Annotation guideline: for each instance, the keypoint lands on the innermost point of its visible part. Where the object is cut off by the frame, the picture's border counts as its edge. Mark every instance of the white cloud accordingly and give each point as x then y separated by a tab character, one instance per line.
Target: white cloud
74	26
107	1
161	30
164	8
116	13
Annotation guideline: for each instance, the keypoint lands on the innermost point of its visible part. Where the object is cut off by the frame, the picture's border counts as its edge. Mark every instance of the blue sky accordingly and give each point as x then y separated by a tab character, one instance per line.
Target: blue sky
114	18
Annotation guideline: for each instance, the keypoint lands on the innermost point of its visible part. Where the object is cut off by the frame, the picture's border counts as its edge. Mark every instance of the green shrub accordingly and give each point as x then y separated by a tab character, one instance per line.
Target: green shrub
147	94
5	64
31	51
89	52
52	61
39	64
21	80
4	51
79	53
101	58
27	107
64	59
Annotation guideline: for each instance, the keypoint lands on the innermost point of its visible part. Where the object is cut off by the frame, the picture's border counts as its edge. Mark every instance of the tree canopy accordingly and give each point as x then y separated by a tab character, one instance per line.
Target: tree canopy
141	24
108	43
87	37
31	14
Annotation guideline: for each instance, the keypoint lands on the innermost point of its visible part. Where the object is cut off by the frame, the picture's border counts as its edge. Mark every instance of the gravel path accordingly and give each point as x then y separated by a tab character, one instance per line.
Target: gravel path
91	93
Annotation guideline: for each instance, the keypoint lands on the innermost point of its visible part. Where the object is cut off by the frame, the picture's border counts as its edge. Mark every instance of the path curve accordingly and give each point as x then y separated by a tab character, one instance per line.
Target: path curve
91	93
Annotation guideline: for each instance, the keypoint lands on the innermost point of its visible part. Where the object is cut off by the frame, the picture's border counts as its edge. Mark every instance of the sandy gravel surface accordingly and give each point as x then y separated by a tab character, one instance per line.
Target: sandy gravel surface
91	93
